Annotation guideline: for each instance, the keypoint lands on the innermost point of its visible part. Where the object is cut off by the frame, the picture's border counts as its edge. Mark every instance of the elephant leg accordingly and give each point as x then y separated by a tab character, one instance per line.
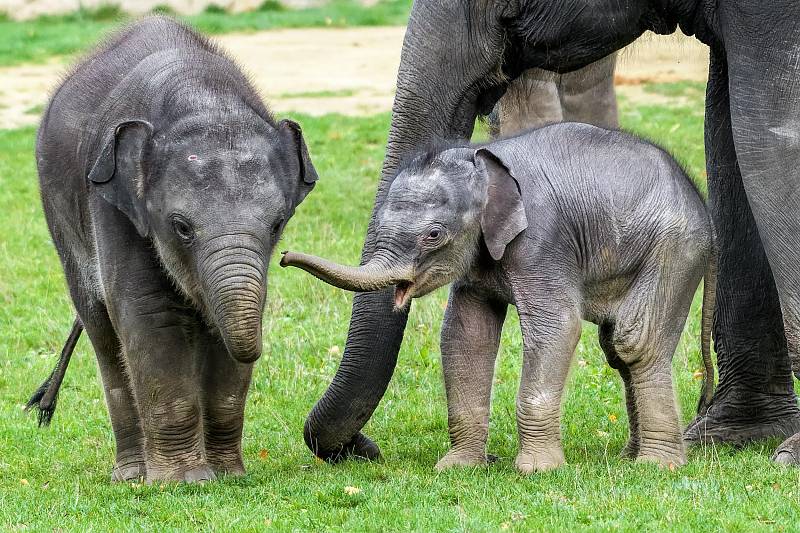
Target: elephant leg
470	339
646	329
659	429
551	329
588	95
755	396
606	333
156	329
129	463
225	385
530	101
765	118
163	373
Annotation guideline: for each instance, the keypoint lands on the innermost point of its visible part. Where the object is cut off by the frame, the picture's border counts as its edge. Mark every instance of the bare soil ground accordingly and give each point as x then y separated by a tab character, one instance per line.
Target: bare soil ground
350	71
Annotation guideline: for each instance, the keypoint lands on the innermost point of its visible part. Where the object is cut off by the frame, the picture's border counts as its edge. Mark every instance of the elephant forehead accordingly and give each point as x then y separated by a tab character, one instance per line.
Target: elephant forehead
424	189
233	169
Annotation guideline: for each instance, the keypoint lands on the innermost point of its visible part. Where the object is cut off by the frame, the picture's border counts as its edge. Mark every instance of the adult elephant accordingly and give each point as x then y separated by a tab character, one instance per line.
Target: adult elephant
458	58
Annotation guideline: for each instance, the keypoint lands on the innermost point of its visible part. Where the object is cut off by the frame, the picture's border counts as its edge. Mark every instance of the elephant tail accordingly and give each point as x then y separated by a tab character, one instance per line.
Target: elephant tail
707	324
46	396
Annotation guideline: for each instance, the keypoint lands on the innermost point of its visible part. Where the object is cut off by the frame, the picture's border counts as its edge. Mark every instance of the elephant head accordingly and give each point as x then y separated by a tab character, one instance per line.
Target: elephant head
441	212
213	196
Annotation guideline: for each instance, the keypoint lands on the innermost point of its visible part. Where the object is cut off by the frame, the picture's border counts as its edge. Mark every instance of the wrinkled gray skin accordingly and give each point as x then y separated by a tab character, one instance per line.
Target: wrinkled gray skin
567	222
166	184
752	142
539	97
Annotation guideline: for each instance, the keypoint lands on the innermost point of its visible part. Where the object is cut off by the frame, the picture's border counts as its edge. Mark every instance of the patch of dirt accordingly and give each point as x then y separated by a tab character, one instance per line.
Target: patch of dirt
350	71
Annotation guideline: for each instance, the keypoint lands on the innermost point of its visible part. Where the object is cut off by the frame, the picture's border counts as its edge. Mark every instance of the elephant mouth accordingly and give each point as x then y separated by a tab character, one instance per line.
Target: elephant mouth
403	292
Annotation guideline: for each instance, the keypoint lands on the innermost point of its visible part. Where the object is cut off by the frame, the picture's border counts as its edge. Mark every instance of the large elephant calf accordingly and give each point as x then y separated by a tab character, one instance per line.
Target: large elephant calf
166	184
567	222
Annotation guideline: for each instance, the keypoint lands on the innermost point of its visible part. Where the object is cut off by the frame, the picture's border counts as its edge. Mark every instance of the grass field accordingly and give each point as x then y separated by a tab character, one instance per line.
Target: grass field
47	36
58	478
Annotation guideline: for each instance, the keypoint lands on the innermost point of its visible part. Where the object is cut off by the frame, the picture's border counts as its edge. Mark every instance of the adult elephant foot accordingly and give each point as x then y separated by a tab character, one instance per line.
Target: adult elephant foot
788	453
751	417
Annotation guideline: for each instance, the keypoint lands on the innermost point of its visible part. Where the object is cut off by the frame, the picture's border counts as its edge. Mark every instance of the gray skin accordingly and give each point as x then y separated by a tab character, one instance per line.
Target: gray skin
166	184
539	97
752	143
567	222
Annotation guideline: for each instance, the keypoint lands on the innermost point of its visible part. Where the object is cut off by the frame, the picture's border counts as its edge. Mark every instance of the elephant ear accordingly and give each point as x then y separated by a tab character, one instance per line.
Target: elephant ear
118	176
308	174
503	216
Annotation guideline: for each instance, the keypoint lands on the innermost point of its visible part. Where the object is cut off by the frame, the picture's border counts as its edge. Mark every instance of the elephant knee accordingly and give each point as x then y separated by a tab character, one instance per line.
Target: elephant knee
171	427
223	421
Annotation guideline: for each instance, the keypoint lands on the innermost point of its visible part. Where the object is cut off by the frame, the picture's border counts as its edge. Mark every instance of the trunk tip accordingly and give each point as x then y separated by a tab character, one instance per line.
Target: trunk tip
285	258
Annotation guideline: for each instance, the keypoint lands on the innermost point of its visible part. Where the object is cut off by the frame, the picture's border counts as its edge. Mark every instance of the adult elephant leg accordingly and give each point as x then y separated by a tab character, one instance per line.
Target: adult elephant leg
588	95
755	397
539	97
764	68
531	101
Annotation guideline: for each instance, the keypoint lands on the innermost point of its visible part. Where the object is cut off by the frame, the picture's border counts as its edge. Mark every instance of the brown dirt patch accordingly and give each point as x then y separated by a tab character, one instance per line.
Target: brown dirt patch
350	71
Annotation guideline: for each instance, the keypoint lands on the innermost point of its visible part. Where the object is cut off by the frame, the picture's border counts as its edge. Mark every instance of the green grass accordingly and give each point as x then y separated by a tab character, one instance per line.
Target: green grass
47	36
59	477
678	88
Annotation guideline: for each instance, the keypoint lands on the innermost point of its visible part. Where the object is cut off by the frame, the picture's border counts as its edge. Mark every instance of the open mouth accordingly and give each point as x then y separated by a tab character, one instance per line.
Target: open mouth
402	294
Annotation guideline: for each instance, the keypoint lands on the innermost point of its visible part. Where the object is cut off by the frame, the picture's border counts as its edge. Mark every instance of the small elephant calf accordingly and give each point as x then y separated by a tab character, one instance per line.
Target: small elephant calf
567	222
166	183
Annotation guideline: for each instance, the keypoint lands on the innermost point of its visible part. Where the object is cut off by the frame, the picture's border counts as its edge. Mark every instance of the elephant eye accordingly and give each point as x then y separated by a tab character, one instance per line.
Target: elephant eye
433	235
277	227
182	228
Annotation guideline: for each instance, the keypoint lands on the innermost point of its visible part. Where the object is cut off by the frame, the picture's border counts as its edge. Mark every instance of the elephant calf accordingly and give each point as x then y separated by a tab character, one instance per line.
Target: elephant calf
567	222
166	184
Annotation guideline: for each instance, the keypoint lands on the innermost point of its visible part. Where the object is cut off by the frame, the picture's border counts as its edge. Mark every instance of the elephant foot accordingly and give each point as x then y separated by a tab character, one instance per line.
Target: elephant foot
128	471
230	466
631	450
539	461
762	416
190	474
455	458
788	453
359	447
664	459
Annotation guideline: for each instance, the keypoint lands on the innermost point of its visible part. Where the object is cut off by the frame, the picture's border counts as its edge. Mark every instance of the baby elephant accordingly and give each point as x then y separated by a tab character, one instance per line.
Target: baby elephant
166	184
567	222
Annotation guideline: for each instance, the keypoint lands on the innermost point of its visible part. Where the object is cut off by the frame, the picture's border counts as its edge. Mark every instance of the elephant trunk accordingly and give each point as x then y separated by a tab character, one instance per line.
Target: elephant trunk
372	276
235	285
